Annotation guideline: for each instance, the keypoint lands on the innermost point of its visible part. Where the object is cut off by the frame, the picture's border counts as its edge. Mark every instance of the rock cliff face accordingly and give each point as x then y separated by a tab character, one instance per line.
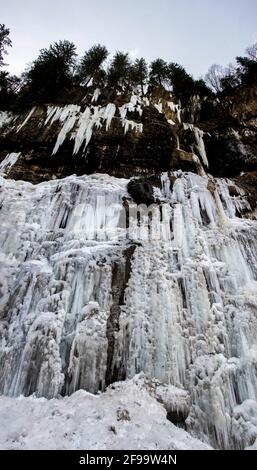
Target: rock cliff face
95	289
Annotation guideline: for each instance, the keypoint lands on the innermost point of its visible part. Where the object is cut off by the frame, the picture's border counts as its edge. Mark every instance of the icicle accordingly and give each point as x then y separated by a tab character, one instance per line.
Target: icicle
26	120
96	95
109	114
9	161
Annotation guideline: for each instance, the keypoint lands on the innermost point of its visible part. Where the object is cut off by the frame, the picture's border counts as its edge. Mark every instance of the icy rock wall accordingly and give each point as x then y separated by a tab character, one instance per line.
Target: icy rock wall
56	283
191	311
77	123
88	298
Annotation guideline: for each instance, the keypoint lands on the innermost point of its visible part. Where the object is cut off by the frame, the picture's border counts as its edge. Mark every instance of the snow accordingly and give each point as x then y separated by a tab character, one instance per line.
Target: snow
125	417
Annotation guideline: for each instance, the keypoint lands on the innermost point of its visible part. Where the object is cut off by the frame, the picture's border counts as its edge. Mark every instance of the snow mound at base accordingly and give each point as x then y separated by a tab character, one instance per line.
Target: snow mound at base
126	416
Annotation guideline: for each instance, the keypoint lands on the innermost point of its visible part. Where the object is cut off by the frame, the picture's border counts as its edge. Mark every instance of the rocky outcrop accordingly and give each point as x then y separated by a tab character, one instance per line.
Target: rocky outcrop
229	154
141	190
132	136
140	143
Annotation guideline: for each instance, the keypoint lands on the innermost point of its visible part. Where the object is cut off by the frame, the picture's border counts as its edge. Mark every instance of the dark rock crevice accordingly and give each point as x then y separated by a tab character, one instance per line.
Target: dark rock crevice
120	276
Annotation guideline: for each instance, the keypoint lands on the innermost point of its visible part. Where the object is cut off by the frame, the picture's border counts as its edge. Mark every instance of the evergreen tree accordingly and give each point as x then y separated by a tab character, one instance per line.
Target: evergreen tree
52	72
5	42
247	70
139	74
9	86
91	65
119	71
184	86
181	81
201	89
158	73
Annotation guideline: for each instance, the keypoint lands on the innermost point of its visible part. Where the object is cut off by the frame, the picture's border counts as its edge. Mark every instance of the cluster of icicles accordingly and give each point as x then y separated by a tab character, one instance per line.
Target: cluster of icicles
85	301
78	123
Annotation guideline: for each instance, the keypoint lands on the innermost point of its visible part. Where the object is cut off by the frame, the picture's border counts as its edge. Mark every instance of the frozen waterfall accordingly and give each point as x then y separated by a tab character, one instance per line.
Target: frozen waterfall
90	294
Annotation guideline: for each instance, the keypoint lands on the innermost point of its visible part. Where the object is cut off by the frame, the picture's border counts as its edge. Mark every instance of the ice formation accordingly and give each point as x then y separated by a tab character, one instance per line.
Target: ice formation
175	108
91	294
26	120
83	123
125	417
78	124
199	142
8	162
85	301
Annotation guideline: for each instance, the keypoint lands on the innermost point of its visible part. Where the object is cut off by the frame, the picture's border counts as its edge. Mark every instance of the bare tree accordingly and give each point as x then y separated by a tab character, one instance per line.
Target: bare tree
214	76
252	52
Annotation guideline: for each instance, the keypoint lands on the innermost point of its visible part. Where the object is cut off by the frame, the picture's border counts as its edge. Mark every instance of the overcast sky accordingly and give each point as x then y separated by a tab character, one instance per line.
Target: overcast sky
195	33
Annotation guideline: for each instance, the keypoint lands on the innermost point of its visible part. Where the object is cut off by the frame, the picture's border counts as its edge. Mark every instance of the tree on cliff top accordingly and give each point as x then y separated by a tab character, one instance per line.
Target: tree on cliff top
214	76
91	65
5	42
139	74
248	66
252	52
158	73
118	75
52	72
8	84
183	84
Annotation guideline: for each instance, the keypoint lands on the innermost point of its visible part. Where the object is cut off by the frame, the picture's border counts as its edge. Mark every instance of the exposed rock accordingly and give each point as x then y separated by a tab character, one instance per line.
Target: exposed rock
141	191
123	415
211	187
110	150
248	181
229	155
120	276
184	161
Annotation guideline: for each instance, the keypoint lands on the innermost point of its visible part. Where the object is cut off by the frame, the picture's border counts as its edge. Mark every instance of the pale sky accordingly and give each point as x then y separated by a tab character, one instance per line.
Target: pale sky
194	33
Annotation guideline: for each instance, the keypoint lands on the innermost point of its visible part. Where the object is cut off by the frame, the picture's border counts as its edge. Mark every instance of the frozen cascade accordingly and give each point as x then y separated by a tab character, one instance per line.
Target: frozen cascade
199	142
85	302
56	271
